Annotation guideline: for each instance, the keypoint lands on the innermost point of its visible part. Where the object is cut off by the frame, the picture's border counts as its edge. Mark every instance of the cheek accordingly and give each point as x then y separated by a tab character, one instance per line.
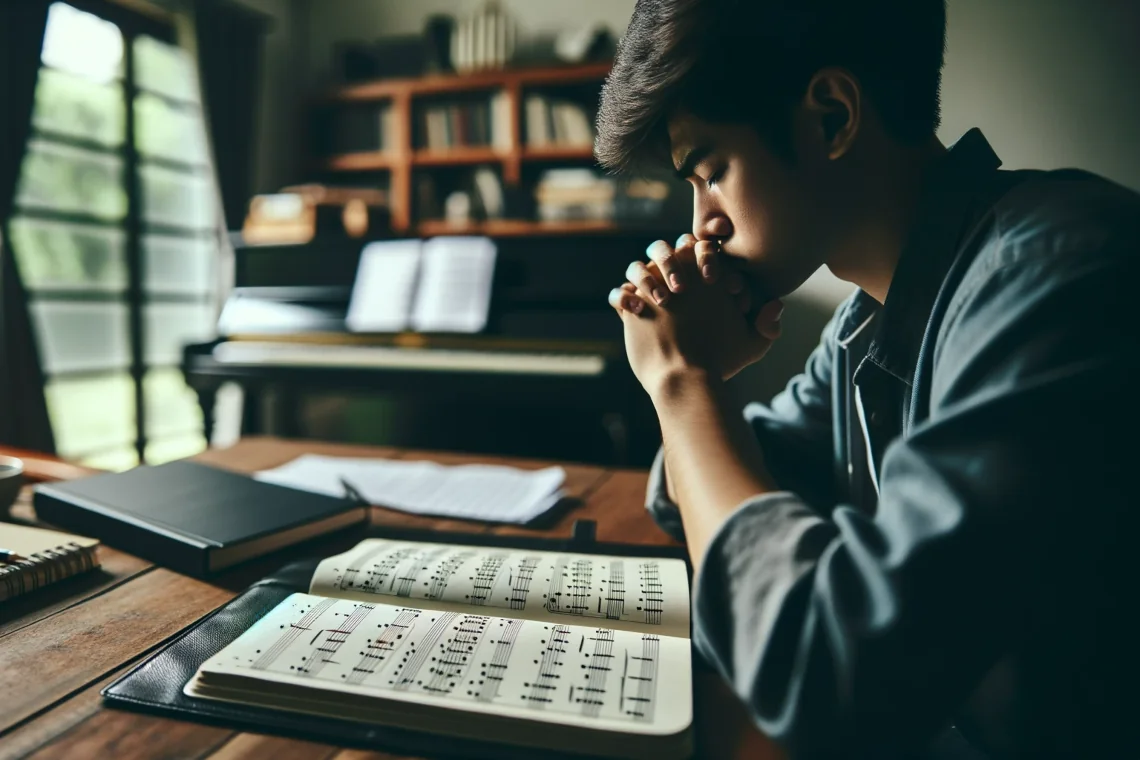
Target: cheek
746	209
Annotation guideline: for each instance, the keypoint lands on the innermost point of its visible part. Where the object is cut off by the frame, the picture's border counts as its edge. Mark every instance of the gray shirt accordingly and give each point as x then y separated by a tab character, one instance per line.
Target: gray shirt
953	542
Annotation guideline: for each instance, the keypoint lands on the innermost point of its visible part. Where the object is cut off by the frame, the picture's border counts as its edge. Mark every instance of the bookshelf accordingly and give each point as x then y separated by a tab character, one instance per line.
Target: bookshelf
401	154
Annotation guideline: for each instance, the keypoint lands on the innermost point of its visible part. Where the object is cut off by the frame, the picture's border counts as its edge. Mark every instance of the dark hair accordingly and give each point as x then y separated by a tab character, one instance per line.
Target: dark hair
748	61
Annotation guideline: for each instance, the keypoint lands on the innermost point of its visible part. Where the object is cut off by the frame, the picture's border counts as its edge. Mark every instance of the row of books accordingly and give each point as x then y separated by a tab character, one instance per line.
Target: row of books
559	195
352	129
483	122
551	121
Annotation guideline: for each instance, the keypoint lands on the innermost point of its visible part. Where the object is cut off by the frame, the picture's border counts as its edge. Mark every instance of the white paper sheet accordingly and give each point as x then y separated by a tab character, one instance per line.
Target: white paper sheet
472	492
454	293
385	283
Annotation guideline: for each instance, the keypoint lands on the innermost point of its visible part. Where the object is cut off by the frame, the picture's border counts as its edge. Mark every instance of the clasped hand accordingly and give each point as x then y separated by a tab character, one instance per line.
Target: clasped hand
687	314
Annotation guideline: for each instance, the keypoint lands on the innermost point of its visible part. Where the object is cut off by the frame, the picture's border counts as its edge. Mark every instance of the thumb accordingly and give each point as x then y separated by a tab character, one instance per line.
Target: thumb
768	319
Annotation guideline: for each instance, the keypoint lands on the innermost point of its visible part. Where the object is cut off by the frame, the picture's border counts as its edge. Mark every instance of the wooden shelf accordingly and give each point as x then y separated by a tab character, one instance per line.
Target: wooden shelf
558	153
459	155
401	159
515	228
383	89
371	160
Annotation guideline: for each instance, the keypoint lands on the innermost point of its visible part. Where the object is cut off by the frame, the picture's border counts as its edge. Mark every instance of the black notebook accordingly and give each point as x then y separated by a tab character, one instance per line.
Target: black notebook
190	517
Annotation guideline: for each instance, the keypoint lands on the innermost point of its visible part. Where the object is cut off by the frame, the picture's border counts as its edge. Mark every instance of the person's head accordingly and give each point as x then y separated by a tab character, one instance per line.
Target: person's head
785	115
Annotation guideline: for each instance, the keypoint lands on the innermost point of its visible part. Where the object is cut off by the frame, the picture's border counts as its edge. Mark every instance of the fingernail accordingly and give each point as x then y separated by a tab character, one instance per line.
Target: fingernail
649	249
680	241
659	295
676	282
635	305
706	270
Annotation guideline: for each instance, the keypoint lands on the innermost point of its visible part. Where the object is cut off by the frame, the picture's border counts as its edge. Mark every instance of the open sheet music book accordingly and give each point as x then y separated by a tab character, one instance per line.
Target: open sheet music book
573	652
438	285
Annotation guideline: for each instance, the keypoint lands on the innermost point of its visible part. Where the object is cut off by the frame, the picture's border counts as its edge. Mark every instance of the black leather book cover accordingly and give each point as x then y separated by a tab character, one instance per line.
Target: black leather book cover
180	514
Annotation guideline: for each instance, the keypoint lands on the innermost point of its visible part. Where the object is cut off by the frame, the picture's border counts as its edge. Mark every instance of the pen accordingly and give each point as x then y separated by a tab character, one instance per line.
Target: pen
8	557
351	492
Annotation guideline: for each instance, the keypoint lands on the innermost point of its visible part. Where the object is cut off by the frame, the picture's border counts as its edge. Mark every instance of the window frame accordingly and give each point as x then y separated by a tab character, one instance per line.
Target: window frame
133	227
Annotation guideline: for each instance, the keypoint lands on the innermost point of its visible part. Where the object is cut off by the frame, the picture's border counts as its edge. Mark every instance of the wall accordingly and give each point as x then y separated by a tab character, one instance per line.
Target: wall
1051	83
279	117
331	21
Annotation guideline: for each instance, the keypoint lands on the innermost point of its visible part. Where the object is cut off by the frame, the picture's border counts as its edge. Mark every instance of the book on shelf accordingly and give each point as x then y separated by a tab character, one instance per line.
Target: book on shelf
566	194
552	122
547	650
475	123
356	128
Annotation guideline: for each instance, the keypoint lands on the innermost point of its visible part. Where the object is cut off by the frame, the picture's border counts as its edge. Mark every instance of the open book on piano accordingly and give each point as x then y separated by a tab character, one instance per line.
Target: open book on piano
562	651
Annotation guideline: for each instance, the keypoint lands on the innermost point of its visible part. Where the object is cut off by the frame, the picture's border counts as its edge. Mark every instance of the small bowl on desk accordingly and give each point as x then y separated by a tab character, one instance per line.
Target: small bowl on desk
11	479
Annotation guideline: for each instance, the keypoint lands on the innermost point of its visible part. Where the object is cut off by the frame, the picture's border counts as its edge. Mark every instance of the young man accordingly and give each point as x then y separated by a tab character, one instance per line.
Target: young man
931	526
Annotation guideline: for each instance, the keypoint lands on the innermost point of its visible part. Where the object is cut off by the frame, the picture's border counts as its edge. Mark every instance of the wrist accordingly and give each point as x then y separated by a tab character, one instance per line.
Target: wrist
684	383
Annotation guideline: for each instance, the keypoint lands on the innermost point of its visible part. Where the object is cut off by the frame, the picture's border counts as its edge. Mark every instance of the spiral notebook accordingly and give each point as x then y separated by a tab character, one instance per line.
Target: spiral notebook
31	558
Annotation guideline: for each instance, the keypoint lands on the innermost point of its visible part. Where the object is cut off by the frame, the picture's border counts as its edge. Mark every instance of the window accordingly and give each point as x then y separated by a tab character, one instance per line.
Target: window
115	234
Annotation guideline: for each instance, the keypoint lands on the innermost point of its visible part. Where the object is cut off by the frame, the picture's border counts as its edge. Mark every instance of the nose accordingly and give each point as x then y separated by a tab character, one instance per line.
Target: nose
709	221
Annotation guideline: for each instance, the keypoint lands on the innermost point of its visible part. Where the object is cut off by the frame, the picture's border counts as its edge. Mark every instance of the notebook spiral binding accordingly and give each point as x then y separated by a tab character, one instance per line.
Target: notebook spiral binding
44	568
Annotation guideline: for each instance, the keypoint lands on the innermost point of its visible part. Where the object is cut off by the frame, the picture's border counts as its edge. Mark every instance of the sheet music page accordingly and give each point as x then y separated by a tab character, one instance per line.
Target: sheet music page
385	282
454	293
629	593
558	673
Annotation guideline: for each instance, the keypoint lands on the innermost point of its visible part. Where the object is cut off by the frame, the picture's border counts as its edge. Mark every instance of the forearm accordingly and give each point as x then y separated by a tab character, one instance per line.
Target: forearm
712	458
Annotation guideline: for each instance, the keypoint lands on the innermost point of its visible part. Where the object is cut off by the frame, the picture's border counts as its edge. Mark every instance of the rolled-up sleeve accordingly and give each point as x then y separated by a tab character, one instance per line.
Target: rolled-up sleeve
849	635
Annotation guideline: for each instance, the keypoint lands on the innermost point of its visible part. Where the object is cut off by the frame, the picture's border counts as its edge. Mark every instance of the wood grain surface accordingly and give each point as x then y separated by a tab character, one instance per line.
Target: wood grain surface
61	646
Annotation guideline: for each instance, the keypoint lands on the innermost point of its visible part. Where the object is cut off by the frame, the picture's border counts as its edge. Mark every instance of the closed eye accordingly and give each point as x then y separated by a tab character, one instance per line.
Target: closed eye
713	179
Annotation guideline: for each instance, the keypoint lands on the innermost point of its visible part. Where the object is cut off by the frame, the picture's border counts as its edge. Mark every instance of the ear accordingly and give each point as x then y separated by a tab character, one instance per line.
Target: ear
833	104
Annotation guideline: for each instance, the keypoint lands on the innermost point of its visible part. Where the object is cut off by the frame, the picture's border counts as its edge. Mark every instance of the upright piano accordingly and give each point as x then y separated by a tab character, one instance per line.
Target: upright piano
548	374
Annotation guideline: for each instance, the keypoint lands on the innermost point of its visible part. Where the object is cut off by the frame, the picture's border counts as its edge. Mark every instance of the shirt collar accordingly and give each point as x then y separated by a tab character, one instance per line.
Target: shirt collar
945	210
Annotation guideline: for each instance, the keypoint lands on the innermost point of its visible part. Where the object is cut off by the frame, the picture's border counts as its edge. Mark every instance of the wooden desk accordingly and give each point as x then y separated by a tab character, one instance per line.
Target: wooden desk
59	647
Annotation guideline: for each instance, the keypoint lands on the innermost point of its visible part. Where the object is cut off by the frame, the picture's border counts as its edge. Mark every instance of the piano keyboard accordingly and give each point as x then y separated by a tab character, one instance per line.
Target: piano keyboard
423	359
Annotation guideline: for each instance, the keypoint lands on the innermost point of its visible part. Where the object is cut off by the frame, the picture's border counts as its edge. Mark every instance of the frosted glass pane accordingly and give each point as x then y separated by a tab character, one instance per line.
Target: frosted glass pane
165	69
82	43
158	452
69	179
71	105
91	414
177	198
69	256
169	131
179	265
171	406
81	337
170	327
114	461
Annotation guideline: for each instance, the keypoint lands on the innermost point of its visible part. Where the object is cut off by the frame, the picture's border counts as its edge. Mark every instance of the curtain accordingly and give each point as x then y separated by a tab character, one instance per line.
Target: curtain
23	412
228	41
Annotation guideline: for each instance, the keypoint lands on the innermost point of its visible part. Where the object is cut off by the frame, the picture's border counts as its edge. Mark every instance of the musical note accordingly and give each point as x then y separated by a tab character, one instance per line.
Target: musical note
292	634
520	582
493	672
652	595
444	572
593	693
549	670
630	592
640	704
485	578
579	673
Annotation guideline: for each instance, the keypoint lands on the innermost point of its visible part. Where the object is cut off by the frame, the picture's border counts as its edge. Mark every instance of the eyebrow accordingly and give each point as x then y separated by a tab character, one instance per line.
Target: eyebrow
693	157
